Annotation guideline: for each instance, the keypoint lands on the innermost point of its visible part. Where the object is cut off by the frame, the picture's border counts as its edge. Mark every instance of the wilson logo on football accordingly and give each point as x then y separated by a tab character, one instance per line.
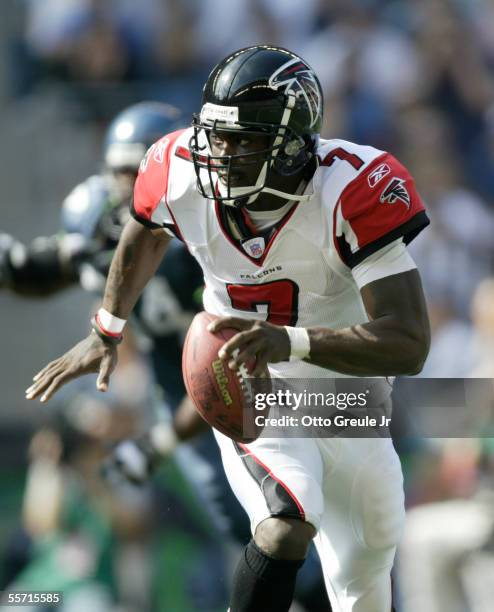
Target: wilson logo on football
395	191
378	174
222	380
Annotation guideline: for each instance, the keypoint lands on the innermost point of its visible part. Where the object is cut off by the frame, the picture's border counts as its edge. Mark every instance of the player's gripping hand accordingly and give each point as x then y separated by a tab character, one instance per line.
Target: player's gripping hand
259	340
92	354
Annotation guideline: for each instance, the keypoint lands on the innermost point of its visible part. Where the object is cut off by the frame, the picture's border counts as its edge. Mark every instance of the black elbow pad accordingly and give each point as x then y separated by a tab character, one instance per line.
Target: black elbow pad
37	268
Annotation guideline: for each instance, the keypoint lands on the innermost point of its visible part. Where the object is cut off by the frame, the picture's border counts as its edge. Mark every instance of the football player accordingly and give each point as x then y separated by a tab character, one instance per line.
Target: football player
302	243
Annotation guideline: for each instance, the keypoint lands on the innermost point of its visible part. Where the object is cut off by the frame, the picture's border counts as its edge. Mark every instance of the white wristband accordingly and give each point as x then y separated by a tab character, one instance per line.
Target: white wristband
299	342
110	323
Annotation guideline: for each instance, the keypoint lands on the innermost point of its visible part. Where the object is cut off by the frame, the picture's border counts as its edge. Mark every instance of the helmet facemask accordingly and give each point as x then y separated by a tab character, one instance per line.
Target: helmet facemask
286	155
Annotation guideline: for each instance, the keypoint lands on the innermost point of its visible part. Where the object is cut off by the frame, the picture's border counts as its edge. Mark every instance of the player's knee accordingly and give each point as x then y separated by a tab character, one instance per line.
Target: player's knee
284	538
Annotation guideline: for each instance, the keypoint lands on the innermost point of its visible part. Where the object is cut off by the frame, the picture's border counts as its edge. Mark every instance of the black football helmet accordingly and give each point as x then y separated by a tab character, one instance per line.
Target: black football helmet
265	90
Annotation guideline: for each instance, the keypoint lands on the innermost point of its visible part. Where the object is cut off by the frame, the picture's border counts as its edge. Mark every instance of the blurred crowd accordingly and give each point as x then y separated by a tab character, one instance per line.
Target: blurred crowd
415	78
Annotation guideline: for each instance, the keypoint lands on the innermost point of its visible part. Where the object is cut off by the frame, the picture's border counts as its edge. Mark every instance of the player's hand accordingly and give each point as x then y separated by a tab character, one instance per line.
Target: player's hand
259	340
90	355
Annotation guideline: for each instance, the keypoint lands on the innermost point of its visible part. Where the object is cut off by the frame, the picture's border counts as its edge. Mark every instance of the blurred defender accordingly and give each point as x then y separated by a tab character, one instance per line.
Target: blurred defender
92	218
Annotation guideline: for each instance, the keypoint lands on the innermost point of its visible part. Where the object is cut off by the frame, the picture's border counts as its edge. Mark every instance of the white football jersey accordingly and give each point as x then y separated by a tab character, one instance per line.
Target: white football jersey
299	272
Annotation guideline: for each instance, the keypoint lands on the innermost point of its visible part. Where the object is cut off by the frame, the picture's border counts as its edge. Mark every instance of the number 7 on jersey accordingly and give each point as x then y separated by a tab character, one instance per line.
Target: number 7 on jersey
279	296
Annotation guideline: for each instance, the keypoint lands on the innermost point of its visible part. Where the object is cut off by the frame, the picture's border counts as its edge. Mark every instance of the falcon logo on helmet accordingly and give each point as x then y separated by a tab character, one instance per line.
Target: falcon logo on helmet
298	79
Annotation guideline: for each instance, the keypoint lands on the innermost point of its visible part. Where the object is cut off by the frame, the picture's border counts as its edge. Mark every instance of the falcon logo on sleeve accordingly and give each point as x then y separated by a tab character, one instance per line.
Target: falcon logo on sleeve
394	191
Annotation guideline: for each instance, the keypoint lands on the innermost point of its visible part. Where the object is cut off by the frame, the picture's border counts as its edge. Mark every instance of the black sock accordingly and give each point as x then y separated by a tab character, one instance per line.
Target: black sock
262	583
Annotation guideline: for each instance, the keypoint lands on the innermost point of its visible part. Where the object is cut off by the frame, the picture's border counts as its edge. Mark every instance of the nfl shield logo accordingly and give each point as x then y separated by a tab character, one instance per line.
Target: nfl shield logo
254	247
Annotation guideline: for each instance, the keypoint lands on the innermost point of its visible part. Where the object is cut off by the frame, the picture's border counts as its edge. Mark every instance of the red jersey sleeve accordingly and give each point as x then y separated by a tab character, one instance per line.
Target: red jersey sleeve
149	205
380	205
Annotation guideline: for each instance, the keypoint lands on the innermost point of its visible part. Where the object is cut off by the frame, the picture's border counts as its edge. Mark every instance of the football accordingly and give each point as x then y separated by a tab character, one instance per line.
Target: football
222	396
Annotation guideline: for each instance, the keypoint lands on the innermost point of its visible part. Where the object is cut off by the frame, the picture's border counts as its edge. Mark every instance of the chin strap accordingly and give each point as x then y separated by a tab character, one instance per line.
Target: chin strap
294	197
297	197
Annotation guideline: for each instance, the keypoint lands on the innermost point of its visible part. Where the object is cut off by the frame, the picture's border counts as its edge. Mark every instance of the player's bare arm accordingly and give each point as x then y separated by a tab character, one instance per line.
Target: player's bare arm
395	340
139	252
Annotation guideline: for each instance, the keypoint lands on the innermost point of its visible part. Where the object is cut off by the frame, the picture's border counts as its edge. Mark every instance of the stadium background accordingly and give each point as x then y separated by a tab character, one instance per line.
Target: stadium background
415	78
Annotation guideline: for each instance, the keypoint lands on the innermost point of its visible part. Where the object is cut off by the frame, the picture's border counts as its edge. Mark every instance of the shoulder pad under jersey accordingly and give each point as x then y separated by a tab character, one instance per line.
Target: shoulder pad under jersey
371	197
